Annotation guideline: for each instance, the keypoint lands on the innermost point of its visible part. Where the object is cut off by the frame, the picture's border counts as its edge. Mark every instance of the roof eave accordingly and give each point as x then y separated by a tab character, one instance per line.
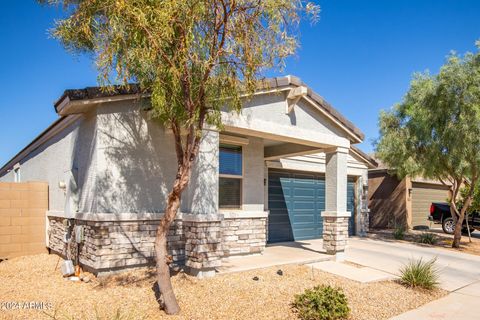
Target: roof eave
74	100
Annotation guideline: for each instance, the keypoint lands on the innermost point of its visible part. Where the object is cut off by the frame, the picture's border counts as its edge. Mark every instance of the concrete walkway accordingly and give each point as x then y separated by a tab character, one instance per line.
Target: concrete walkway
457	269
459	305
278	254
355	273
459	274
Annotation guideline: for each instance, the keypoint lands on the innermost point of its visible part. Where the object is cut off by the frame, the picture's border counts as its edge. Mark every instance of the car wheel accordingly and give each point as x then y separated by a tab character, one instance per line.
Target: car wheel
448	225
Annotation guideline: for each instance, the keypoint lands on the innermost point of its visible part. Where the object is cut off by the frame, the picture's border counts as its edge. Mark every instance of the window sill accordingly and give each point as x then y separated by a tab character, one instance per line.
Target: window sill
239	213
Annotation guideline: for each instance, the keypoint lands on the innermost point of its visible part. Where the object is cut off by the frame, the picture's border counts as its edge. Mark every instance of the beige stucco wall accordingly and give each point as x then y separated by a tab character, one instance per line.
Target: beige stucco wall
388	200
115	160
272	107
316	163
68	157
137	164
265	115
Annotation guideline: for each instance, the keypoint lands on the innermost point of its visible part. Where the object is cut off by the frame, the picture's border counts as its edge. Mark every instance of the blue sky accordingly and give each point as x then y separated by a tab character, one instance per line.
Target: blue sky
360	57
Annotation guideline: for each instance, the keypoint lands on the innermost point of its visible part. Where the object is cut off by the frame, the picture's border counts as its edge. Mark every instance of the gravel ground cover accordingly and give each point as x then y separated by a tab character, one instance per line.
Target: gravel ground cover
129	295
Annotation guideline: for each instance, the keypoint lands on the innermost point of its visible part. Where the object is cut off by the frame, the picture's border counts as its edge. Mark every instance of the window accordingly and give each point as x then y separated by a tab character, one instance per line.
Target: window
230	182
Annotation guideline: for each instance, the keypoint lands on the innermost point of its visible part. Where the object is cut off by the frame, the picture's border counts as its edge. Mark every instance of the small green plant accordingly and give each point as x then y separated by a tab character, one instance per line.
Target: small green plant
321	303
419	273
428	238
399	233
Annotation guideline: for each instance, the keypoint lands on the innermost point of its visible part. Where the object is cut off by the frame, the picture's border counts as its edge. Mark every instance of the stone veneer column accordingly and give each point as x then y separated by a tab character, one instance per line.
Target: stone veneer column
362	207
203	244
335	216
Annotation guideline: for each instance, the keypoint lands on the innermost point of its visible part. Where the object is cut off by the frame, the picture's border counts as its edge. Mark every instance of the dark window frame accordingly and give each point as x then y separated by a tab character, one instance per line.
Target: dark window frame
228	176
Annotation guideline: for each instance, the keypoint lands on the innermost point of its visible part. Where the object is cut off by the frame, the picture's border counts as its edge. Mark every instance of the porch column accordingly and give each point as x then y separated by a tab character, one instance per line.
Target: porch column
335	216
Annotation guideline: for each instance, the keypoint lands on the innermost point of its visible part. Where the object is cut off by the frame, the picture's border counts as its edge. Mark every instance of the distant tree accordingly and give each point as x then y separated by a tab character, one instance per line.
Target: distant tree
194	56
435	131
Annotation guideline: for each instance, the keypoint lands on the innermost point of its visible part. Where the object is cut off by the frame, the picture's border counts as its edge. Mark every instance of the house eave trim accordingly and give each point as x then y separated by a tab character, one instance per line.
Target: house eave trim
42	138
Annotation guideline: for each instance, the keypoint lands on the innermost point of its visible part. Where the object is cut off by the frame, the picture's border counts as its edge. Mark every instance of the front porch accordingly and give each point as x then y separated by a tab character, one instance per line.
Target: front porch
277	254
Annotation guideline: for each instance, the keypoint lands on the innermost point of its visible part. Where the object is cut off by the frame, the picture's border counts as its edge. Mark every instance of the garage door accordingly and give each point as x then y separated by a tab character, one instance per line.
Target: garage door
295	201
423	194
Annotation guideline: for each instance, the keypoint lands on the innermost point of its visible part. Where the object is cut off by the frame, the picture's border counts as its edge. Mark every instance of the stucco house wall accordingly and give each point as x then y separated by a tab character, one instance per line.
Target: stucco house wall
387	200
135	163
403	202
69	157
253	195
117	166
272	107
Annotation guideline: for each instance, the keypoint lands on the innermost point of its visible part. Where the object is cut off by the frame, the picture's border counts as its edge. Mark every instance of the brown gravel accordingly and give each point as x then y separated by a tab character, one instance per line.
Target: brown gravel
444	240
230	296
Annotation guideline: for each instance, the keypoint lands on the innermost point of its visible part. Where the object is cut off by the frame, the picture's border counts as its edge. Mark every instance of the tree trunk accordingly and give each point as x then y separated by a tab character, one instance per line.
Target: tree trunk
460	217
458	230
169	302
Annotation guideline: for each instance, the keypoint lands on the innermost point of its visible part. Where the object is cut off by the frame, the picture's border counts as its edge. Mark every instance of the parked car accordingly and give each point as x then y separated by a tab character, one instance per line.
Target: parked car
440	213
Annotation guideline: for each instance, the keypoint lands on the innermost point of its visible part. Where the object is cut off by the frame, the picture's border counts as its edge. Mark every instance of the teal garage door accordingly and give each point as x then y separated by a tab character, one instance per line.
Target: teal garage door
295	202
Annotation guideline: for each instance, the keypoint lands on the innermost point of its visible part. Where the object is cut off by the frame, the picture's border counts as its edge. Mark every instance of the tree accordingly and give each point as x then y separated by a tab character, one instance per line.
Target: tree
474	204
195	57
435	131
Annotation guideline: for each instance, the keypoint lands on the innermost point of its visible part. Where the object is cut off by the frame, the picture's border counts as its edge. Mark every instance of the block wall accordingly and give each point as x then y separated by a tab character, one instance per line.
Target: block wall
23	208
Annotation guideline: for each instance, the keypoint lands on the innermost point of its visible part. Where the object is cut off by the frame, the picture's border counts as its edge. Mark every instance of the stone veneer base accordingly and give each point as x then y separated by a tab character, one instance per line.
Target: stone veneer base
198	245
335	234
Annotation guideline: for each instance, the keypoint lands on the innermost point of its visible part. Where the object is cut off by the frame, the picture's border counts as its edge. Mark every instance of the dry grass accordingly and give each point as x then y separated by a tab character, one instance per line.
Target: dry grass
230	296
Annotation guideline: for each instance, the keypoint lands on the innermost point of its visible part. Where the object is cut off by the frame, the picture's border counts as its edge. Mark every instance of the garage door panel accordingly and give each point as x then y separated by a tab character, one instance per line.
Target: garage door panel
300	219
423	194
296	201
273	205
302	205
306	234
304	213
304	178
276	197
304	193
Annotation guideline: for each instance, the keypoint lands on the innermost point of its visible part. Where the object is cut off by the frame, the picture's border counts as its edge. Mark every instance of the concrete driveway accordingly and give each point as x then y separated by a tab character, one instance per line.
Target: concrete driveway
456	269
459	274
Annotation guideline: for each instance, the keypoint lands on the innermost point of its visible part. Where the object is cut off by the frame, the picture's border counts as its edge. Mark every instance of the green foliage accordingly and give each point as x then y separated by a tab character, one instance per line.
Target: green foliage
322	303
475	204
419	273
195	57
399	233
428	238
435	131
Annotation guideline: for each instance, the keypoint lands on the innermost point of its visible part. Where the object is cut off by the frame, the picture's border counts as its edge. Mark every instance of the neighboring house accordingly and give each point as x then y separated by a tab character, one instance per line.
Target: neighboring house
404	202
285	169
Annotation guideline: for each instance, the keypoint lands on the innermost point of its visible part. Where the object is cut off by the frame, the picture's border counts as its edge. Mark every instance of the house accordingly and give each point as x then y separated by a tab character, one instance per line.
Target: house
285	169
395	202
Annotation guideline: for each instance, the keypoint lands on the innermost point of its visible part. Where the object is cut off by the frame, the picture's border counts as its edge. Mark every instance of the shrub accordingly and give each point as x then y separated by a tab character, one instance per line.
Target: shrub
399	233
321	303
428	238
419	273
